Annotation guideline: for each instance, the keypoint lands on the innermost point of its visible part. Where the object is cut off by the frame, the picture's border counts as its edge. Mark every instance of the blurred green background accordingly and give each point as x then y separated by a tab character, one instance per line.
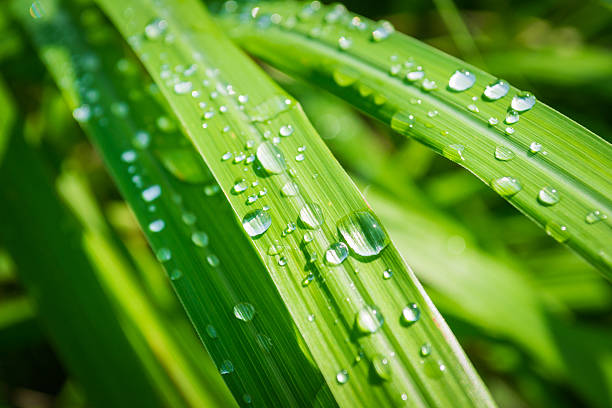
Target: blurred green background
534	318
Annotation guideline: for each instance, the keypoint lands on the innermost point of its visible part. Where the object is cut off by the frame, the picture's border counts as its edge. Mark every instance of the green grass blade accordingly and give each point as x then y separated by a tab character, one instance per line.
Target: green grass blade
322	314
544	149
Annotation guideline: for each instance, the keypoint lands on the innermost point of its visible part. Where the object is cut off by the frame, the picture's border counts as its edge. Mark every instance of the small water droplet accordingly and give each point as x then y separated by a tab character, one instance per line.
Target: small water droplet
282	261
271	158
416	75
244	311
183	87
256	222
509	130
454	152
270	108
496	90
382	31
402	122
82	113
558	231
506	186
428	85
548	196
306	281
176	274
344	43
473	108
239	186
286	130
503	153
290	189
128	156
382	366
211	189
36	10
199	238
461	80
151	193
342	377
155	29
344	76
311	215
595	216
363	233
226	367
368	320
425	350
337	253
163	254
211	331
512	117
157	225
493	121
387	274
535	147
523	102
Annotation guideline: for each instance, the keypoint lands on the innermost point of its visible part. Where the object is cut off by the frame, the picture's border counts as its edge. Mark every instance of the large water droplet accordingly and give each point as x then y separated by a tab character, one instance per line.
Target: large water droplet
410	314
157	225
342	377
290	189
548	196
256	222
369	320
311	215
496	90
512	117
363	233
506	186
151	193
337	253
523	102
503	153
244	311
558	231
461	80
271	158
199	238
382	366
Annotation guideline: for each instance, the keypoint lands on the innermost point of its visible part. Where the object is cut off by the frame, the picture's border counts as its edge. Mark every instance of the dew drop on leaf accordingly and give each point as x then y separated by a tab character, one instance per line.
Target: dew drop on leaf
342	377
311	215
199	238
271	158
337	253
256	222
557	231
496	90
461	80
503	153
369	320
512	117
244	311
523	102
382	366
410	314
594	217
363	233
548	196
506	186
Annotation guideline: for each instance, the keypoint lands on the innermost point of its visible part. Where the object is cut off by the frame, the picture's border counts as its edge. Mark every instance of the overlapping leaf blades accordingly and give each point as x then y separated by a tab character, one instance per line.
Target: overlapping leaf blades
405	83
206	81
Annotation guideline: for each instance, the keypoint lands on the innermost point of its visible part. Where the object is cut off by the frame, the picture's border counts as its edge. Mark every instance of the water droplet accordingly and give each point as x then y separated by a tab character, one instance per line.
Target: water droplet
311	318
156	29
402	122
270	108
506	186
548	196
176	274
414	76
434	369
369	320
211	189
151	193
141	139
595	216
128	156
311	215
410	314
256	222
199	238
496	90
226	367
306	281
425	350
503	153
344	43
157	225
432	113
382	366
211	331
286	130
342	377
308	237
82	113
344	76
163	254
240	185
509	130
36	10
557	231
244	311
290	189
382	31
363	233
512	117
473	108
535	147
461	80
428	85
387	274
337	253
523	102
300	157
493	121
271	158
454	152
